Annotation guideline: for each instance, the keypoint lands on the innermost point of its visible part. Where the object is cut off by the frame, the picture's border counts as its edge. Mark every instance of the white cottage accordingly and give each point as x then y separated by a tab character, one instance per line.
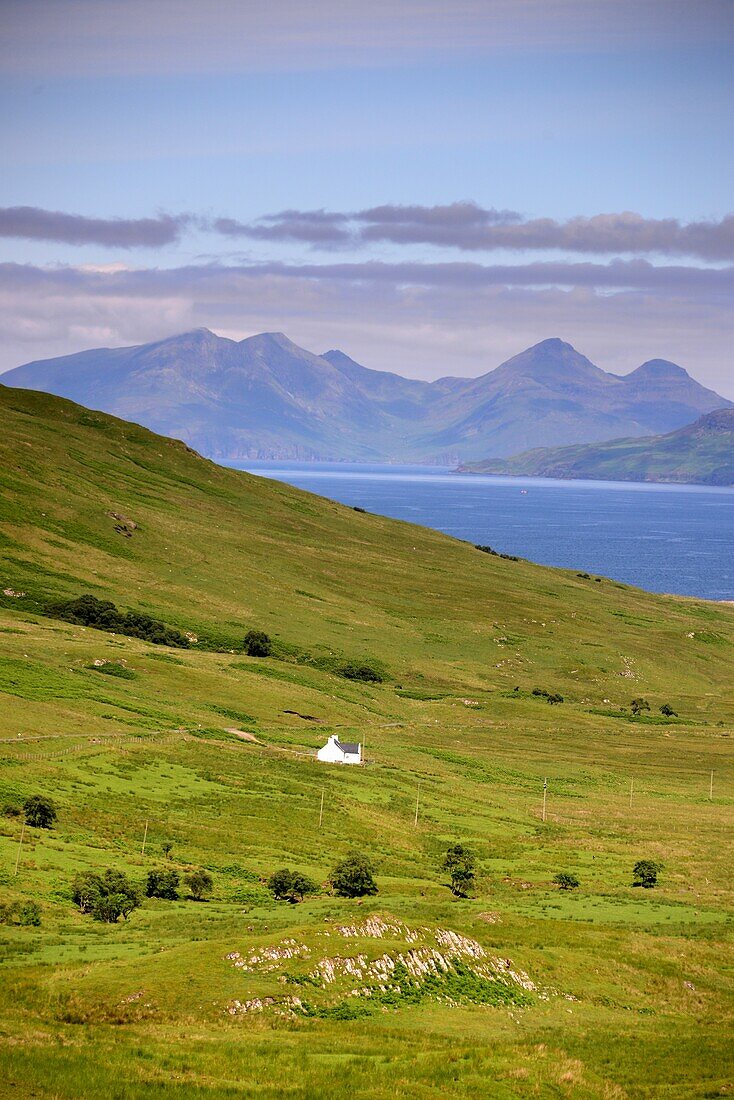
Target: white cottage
340	752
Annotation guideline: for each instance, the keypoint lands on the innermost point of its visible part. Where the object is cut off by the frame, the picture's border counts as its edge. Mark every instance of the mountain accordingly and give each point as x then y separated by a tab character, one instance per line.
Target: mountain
701	453
265	397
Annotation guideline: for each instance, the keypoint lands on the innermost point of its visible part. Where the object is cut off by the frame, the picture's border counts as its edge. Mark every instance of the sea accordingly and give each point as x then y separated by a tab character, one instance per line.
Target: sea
664	538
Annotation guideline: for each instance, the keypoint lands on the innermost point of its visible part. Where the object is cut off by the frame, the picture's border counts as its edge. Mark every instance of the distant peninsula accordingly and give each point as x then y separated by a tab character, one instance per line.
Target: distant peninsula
701	453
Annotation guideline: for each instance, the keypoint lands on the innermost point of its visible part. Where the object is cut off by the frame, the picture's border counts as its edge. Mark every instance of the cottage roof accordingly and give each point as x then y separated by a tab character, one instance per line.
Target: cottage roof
351	747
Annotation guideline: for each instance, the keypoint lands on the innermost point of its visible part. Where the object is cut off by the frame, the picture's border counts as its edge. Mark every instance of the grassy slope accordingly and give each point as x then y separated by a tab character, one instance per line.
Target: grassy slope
691	455
218	551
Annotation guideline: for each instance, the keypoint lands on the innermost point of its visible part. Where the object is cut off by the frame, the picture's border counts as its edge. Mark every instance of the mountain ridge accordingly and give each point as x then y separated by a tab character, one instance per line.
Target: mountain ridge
700	453
266	397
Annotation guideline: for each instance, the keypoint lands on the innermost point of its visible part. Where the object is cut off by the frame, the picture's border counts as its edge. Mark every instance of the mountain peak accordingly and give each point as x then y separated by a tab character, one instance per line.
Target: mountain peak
659	369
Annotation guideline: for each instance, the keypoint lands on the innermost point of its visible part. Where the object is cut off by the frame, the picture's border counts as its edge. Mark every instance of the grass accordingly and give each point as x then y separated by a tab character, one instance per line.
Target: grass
633	990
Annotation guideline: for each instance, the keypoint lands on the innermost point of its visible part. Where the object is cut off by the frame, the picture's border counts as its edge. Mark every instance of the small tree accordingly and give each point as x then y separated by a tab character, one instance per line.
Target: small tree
645	873
200	884
566	881
460	862
167	848
667	711
638	705
40	812
257	644
353	877
107	896
291	886
162	884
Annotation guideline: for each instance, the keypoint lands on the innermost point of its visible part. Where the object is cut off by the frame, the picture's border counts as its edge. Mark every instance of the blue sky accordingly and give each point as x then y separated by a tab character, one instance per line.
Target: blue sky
558	110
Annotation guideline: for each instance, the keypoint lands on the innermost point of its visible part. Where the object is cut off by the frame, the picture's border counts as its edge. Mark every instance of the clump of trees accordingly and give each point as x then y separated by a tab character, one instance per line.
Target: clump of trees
107	896
353	877
550	696
460	863
200	884
637	706
162	884
104	615
292	886
40	812
564	880
257	643
645	873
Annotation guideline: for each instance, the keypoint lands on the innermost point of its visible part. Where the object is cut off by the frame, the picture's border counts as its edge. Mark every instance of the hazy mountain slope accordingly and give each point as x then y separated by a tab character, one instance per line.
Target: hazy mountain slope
701	453
265	397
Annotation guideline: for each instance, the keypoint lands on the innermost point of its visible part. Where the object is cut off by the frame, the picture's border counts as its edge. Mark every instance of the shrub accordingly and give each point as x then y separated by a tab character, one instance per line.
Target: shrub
25	913
645	873
114	668
200	884
566	881
460	862
107	896
367	673
638	705
353	877
103	615
667	711
40	812
257	644
162	884
291	886
550	697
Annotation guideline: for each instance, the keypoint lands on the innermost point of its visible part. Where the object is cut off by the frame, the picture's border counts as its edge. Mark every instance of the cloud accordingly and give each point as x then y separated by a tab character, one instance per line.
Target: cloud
419	320
33	223
468	227
89	37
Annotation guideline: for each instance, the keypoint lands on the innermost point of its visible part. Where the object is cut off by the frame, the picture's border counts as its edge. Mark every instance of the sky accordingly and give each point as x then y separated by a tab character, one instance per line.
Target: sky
429	185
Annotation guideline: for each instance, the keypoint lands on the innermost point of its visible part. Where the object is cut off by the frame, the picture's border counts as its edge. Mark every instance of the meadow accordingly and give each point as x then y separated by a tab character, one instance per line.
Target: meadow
631	989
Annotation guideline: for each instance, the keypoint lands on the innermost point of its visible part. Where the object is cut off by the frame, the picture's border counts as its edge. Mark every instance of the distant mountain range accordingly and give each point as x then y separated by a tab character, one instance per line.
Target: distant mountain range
265	397
701	453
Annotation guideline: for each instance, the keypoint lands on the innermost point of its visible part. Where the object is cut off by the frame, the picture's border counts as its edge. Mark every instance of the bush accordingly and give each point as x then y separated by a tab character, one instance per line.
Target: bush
200	884
667	711
645	873
353	877
291	886
367	673
460	862
257	644
638	705
162	884
103	615
566	881
107	896
550	697
40	812
25	913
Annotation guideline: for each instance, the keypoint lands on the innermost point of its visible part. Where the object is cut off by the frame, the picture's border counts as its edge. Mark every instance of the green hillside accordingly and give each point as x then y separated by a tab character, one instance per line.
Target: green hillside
701	453
606	991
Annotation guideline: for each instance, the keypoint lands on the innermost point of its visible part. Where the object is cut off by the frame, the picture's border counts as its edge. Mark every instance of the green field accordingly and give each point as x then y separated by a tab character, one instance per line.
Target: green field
628	991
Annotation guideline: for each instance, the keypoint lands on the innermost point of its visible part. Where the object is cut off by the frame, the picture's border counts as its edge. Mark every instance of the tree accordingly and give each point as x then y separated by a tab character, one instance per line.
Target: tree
107	896
638	705
40	812
257	644
200	884
645	873
566	881
167	848
460	862
292	886
667	711
162	884
353	877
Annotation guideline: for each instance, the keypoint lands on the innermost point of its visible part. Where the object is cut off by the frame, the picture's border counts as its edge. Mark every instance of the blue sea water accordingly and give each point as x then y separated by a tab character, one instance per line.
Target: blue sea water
665	538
